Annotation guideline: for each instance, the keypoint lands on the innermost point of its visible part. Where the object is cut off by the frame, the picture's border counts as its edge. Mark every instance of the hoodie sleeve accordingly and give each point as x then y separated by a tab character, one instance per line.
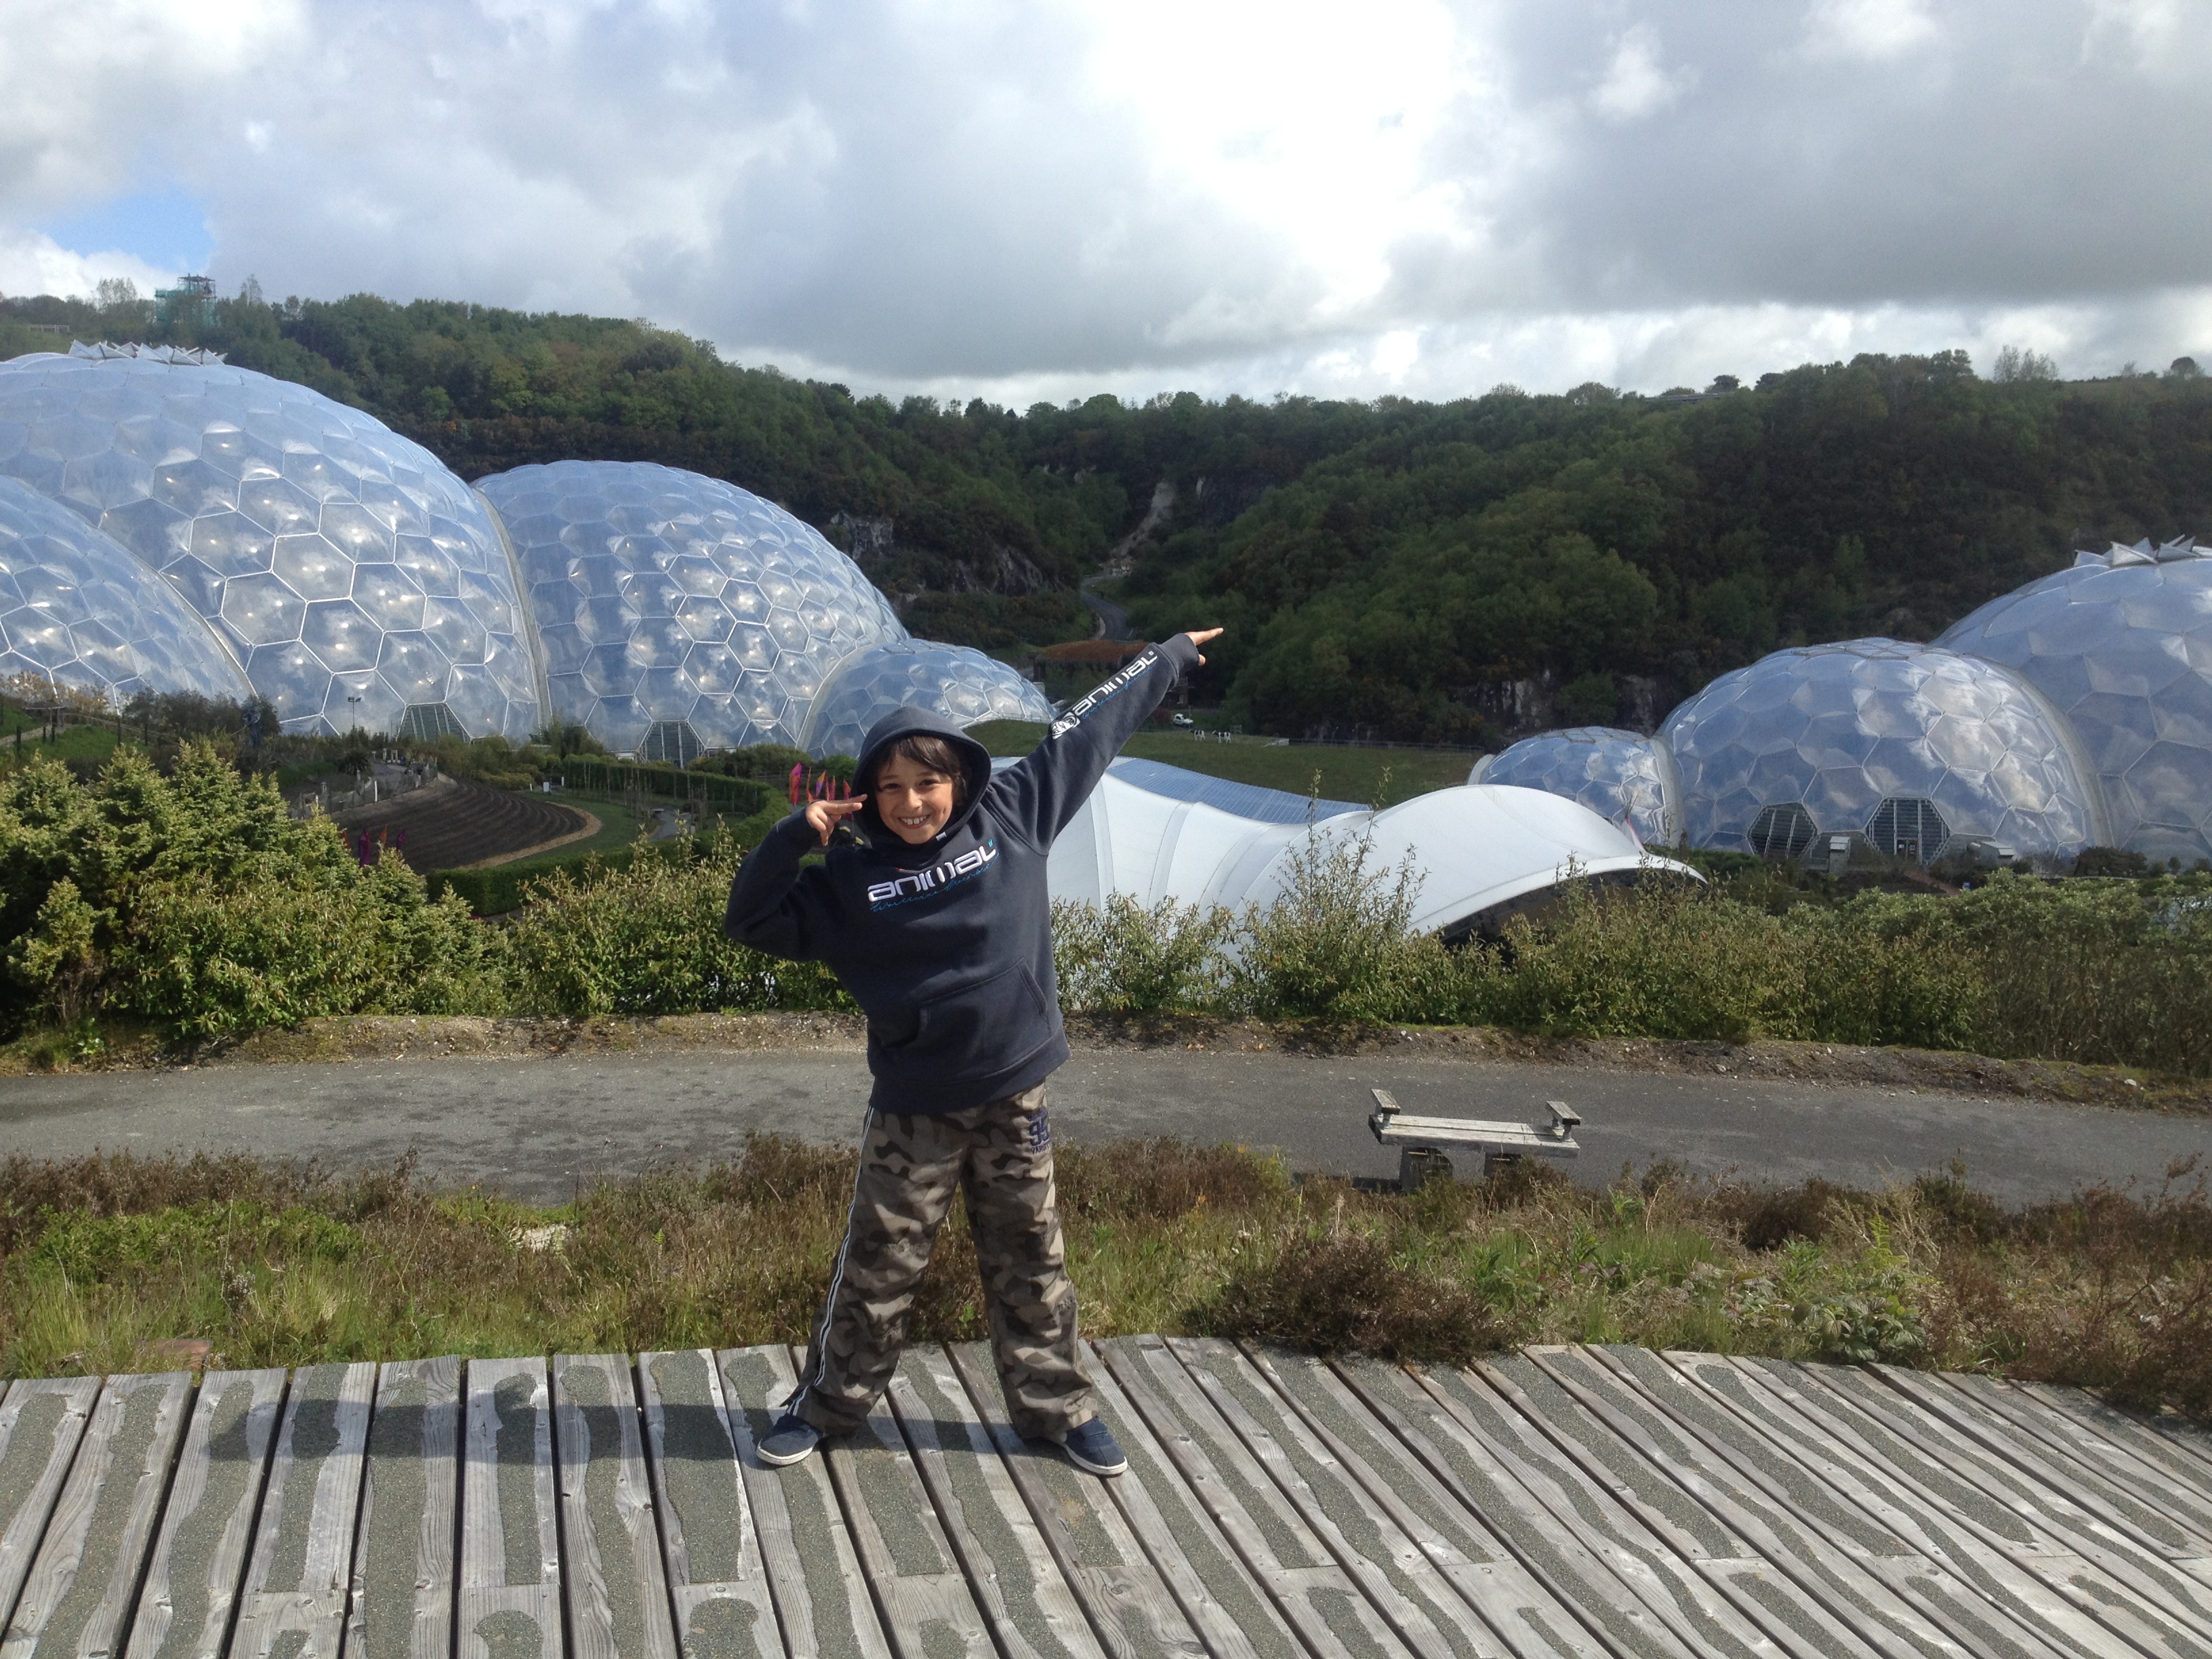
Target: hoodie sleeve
1044	791
776	905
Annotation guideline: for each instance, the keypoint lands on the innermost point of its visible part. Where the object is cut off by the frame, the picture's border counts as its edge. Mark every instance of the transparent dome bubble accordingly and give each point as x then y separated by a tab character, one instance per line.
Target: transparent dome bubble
2121	646
1621	775
77	610
676	612
965	686
1908	746
302	531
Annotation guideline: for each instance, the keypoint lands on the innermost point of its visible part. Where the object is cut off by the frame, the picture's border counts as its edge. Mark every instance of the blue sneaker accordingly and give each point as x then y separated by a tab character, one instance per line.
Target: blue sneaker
790	1439
1093	1448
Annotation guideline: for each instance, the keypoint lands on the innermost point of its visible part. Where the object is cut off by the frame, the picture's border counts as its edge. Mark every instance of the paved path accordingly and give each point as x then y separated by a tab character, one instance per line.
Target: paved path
1558	1504
535	1128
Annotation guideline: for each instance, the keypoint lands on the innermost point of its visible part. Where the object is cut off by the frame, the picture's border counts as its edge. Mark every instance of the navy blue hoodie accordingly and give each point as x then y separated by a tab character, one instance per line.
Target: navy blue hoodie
947	947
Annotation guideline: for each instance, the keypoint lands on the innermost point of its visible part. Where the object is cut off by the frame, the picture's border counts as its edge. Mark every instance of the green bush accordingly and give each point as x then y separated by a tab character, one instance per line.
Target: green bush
1124	958
197	902
647	938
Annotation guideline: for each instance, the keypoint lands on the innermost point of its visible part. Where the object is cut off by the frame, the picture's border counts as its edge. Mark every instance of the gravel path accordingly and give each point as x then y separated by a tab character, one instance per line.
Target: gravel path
535	1125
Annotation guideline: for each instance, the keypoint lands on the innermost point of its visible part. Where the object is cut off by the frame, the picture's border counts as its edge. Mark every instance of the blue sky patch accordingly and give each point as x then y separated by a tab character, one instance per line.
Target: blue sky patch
165	228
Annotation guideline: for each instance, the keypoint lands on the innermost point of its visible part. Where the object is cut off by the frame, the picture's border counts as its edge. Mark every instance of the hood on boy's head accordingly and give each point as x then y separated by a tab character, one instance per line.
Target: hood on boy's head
907	723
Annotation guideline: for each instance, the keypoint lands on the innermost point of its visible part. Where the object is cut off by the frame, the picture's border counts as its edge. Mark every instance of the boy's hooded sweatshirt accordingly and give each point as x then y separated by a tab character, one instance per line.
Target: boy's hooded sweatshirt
947	947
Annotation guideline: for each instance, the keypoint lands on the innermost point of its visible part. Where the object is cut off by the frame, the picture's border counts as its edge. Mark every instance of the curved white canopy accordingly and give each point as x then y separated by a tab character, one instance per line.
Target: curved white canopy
1477	846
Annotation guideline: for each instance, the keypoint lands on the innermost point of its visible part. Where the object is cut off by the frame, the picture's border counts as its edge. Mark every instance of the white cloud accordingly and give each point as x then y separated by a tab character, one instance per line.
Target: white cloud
1636	82
1874	30
991	196
32	262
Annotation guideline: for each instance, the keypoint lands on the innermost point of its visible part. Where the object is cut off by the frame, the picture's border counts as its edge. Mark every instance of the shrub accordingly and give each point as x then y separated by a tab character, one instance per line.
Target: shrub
1124	958
1334	941
647	939
1343	1294
198	902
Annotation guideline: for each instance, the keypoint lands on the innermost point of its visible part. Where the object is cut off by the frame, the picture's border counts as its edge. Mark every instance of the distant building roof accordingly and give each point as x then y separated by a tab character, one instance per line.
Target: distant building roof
1107	651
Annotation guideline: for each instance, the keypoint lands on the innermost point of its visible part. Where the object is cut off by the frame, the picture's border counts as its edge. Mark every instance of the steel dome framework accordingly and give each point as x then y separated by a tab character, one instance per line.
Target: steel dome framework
342	572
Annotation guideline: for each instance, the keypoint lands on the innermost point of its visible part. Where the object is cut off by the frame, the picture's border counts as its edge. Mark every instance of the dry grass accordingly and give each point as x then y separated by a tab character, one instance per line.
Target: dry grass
102	1257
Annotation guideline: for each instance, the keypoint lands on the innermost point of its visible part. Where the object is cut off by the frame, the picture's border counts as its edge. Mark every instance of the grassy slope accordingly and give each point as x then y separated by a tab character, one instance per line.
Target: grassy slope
279	1267
1384	775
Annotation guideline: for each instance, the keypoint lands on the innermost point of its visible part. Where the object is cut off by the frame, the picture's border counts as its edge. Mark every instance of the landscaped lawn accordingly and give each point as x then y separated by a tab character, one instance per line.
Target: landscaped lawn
1384	775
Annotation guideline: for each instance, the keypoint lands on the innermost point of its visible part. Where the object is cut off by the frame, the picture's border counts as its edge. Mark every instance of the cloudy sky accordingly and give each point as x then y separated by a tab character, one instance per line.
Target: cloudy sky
1052	197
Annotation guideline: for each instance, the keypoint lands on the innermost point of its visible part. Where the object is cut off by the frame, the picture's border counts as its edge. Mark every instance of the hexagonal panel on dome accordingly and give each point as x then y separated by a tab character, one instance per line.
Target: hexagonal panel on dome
261	503
2122	648
663	598
1621	775
1868	721
963	685
77	609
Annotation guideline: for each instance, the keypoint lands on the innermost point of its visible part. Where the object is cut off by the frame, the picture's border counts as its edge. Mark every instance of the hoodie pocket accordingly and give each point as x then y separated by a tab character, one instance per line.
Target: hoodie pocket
993	1022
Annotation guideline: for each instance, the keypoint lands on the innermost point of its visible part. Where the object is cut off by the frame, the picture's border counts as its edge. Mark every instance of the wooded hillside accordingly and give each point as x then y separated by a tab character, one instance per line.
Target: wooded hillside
1454	571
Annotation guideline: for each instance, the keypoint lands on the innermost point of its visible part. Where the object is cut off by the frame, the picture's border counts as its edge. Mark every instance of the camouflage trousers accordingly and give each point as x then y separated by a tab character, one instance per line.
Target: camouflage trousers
998	1157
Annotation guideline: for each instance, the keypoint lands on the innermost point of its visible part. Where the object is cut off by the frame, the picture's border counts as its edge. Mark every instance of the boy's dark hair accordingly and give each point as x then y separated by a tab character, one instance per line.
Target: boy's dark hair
933	752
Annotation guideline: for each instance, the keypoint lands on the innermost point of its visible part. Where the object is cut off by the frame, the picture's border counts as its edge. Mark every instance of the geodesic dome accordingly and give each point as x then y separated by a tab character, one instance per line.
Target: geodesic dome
77	610
1912	748
678	613
963	685
1624	777
353	578
2122	644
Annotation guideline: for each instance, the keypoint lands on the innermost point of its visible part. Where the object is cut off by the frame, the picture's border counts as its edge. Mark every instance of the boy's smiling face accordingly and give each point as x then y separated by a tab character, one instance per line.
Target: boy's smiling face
915	800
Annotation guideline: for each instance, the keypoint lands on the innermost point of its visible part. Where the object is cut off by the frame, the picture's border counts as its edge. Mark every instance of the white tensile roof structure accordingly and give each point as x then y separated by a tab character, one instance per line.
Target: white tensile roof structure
1479	849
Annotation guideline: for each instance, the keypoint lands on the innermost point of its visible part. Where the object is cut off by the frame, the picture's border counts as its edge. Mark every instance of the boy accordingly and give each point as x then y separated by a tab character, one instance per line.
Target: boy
940	925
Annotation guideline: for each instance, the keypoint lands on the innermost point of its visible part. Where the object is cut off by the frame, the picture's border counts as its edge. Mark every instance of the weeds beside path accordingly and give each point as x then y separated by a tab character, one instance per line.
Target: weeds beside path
386	1037
278	1265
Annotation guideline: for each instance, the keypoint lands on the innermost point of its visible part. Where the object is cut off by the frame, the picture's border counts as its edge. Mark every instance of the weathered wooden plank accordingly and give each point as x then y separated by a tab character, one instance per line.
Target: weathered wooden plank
1983	1595
710	1546
199	1555
1531	1618
1405	1586
2181	1449
2105	1463
1033	1612
821	1594
1716	1529
929	1609
1130	1605
1866	1565
2098	1571
2026	1440
1587	1533
300	1577
77	1599
40	1425
508	1594
617	1588
401	1603
1226	1605
1314	1594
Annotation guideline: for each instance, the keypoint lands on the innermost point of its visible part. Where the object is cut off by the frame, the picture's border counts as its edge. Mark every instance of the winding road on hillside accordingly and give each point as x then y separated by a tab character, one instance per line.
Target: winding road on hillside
1113	619
536	1128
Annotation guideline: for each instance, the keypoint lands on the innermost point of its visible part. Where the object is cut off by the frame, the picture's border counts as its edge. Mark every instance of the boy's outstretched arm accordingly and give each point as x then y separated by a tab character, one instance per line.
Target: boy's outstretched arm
774	907
1049	787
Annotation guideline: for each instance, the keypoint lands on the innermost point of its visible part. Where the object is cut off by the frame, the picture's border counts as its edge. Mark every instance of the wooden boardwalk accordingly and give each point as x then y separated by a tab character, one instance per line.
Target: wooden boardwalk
1556	1504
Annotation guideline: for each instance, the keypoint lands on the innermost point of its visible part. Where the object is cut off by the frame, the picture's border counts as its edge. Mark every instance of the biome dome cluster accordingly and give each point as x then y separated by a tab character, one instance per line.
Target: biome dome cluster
2074	712
168	522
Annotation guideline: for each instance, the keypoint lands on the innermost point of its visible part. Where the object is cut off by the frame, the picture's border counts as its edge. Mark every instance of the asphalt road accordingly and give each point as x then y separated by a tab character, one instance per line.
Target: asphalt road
535	1128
